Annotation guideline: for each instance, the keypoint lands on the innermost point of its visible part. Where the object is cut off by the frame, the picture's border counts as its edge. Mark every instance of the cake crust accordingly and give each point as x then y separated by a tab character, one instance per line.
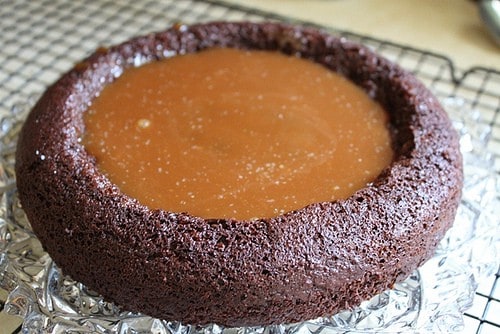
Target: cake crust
312	262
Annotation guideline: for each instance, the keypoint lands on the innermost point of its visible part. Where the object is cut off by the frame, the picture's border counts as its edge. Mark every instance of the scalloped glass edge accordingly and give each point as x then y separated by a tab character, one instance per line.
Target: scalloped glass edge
432	299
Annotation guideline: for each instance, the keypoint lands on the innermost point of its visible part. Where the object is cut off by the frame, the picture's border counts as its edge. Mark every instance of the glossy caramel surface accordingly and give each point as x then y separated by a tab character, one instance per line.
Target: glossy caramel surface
226	133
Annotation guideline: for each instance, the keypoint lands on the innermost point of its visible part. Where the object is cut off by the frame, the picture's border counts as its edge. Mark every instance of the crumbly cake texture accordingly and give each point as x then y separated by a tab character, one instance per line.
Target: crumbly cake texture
312	262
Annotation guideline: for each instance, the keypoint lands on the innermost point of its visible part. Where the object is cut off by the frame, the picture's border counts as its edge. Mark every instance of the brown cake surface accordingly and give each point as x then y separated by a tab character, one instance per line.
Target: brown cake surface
300	265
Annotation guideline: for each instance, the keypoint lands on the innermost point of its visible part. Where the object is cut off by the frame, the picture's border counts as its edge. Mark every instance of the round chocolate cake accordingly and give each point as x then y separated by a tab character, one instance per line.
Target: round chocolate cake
307	263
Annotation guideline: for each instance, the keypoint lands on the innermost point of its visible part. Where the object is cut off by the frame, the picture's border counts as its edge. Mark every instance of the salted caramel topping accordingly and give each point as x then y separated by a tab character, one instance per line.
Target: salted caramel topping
229	133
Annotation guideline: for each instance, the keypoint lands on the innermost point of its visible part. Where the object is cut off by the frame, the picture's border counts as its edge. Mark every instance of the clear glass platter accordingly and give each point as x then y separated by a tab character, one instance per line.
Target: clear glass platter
432	299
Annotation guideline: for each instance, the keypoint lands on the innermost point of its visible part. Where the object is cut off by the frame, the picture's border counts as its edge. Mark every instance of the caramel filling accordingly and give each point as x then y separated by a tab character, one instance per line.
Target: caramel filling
229	133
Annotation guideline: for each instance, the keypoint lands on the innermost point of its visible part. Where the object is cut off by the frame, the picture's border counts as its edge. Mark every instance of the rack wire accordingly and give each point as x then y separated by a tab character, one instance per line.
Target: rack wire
42	39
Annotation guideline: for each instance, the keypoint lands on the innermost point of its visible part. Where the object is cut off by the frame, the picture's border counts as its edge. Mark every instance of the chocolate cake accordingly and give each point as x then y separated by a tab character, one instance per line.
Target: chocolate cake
307	263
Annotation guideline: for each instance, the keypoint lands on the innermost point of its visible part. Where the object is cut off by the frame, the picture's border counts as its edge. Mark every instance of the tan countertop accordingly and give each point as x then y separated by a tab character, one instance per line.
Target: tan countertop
449	27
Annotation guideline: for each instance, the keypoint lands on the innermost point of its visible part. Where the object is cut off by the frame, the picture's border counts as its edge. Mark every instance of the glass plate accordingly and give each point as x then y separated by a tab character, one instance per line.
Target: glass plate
432	299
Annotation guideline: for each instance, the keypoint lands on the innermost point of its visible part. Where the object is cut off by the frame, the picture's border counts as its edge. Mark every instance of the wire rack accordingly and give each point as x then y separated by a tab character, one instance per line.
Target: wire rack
42	39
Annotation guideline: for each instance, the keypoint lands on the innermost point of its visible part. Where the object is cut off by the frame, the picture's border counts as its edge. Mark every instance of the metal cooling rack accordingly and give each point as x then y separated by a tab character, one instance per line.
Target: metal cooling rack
39	40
